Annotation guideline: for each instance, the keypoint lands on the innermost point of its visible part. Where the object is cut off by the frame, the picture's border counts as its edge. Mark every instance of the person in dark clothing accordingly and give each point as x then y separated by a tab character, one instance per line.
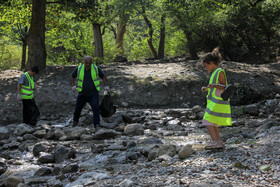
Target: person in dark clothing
88	85
25	89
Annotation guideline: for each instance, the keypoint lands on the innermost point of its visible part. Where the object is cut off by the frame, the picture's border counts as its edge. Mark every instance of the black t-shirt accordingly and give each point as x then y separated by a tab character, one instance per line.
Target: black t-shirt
88	85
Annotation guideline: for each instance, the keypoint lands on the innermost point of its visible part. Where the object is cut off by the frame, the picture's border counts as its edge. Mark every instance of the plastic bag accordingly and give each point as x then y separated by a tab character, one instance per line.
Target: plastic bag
107	108
227	92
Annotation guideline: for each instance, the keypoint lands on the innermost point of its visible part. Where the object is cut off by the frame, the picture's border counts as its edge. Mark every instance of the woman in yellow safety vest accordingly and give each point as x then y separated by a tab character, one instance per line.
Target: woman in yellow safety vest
217	111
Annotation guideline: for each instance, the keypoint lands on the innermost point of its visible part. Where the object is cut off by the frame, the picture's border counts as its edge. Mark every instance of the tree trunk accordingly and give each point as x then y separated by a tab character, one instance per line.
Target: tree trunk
23	57
36	37
98	40
151	31
24	39
121	28
191	46
162	38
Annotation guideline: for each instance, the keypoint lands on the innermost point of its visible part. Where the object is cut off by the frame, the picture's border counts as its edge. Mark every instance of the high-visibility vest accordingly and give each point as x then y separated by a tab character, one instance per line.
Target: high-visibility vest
27	91
94	76
217	111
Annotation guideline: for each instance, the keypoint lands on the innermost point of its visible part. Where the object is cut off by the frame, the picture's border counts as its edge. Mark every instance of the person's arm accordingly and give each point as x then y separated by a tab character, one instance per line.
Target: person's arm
222	81
19	89
103	77
72	81
105	80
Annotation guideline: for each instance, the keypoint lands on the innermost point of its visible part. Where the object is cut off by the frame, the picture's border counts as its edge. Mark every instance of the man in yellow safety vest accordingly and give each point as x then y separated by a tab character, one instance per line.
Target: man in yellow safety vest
88	85
25	90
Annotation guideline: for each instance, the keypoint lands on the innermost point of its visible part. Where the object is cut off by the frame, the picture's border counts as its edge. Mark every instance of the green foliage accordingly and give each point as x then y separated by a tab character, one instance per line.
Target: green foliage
244	30
9	54
69	41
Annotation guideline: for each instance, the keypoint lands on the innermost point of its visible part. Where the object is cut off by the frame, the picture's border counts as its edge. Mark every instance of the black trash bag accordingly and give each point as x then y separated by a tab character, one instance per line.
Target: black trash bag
35	113
227	92
107	107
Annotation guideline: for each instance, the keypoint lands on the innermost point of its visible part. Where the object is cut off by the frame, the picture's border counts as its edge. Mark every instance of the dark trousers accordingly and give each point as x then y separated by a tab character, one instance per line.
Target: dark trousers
94	103
30	111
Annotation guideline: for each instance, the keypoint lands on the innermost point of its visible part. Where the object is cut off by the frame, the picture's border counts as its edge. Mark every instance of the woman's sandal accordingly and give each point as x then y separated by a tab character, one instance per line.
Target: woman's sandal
214	146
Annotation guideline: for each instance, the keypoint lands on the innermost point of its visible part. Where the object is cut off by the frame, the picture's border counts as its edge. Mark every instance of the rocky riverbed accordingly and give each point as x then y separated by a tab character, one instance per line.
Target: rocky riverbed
156	138
144	147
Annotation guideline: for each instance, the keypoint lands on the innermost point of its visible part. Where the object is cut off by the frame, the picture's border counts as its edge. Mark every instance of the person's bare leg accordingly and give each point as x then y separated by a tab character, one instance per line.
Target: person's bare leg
211	131
217	132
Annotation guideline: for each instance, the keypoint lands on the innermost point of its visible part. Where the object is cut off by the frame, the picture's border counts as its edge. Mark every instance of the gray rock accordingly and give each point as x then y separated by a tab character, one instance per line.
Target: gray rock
126	183
86	137
46	158
29	137
3	168
197	109
54	183
109	125
75	133
40	147
152	127
185	152
23	129
58	133
200	115
103	134
174	127
63	153
23	147
271	104
251	109
153	154
267	125
12	145
165	158
14	181
150	140
44	171
49	135
4	133
57	170
71	168
174	122
40	133
167	149
37	181
43	124
134	129
115	119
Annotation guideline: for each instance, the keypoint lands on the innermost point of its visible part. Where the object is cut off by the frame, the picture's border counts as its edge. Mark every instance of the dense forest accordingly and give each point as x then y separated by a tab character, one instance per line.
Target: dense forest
61	32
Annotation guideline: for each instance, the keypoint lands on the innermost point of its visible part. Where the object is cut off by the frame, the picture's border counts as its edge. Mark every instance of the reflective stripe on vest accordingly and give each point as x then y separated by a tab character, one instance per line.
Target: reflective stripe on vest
27	91
94	76
217	110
